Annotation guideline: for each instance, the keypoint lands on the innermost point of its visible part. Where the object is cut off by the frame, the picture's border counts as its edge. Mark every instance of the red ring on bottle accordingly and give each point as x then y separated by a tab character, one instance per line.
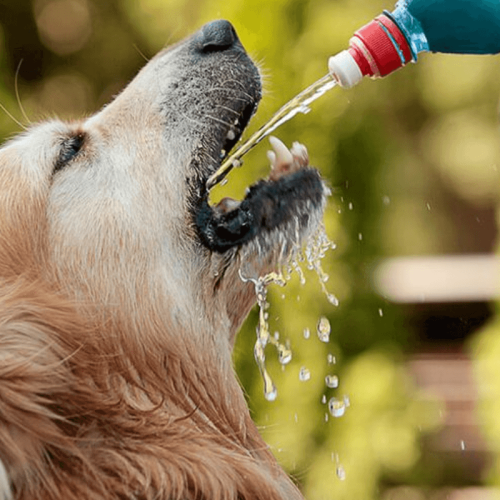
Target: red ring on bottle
379	48
398	35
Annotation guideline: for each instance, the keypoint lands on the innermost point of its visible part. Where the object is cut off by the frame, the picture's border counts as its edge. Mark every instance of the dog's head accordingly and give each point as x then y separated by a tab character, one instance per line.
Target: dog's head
111	216
114	208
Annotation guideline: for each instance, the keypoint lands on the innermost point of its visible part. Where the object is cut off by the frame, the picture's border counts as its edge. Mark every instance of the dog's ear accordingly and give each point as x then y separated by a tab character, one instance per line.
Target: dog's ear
35	381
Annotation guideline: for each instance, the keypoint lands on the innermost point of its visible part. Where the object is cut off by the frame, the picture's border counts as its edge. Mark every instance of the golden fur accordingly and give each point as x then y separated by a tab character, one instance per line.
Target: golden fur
116	323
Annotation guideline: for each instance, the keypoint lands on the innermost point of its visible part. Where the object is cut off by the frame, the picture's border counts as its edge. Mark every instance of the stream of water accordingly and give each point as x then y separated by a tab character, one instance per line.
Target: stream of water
299	104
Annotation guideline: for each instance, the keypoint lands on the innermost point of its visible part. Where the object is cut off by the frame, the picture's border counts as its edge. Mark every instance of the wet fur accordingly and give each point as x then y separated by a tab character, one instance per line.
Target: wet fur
116	321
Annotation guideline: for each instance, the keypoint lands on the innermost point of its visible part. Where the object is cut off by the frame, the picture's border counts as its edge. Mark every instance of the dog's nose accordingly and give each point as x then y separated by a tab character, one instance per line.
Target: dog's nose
217	36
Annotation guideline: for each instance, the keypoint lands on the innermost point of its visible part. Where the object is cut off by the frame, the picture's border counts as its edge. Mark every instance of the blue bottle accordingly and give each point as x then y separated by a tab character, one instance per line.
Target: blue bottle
395	38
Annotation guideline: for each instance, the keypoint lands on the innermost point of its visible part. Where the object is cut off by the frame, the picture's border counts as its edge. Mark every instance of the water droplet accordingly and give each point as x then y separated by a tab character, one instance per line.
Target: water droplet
336	407
386	200
270	391
304	374
351	206
298	270
332	299
284	354
324	328
331	359
258	351
360	236
347	401
380	312
332	381
307	333
271	394
323	399
462	445
341	472
276	278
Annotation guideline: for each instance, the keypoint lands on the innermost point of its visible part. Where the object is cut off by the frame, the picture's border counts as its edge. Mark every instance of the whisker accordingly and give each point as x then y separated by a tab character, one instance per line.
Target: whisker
232	90
227	109
218	120
140	52
11	116
16	87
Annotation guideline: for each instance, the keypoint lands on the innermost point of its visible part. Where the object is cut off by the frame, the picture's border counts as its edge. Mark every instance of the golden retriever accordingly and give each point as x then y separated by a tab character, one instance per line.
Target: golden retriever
120	288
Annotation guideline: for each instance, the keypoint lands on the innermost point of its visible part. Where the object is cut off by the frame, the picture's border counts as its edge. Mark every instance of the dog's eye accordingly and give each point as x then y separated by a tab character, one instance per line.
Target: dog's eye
70	147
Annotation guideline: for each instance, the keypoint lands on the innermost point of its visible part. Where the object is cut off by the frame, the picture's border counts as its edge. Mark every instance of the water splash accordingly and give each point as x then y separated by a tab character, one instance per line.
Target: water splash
314	250
299	104
323	329
263	334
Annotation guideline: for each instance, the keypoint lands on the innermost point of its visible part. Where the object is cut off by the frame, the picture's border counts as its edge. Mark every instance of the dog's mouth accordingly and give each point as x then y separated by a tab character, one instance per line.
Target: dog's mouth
281	207
283	204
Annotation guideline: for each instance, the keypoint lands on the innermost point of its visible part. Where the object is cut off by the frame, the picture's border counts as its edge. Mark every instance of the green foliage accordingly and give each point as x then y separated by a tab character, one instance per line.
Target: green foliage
385	148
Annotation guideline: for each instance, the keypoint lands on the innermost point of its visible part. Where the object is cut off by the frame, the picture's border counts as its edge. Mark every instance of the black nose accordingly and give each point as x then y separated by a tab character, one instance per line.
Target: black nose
217	35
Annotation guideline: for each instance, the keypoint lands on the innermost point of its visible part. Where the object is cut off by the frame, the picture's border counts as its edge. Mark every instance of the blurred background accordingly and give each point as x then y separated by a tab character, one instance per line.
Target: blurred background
412	161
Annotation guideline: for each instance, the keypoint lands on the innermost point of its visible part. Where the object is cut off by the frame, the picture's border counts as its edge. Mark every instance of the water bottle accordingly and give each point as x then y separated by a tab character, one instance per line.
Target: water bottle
395	38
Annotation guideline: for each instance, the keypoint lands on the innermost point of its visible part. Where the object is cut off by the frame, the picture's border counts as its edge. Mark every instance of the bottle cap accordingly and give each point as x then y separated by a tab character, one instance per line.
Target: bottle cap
344	68
375	50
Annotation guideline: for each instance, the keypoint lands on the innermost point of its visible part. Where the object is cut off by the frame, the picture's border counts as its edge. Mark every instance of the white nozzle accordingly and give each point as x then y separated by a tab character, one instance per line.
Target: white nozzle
345	69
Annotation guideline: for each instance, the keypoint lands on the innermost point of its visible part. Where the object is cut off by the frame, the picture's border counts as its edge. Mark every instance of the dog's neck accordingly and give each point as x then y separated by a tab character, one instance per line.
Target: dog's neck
190	383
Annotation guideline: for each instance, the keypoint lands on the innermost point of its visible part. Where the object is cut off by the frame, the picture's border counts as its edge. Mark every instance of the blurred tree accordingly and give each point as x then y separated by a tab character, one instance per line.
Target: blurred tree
396	153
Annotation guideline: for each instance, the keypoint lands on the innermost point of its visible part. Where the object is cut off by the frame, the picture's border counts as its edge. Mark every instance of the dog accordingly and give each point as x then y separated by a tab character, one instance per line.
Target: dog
121	288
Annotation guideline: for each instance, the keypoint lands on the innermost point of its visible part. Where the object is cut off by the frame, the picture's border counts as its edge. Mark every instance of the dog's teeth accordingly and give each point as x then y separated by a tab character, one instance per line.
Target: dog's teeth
300	155
283	155
271	156
227	205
